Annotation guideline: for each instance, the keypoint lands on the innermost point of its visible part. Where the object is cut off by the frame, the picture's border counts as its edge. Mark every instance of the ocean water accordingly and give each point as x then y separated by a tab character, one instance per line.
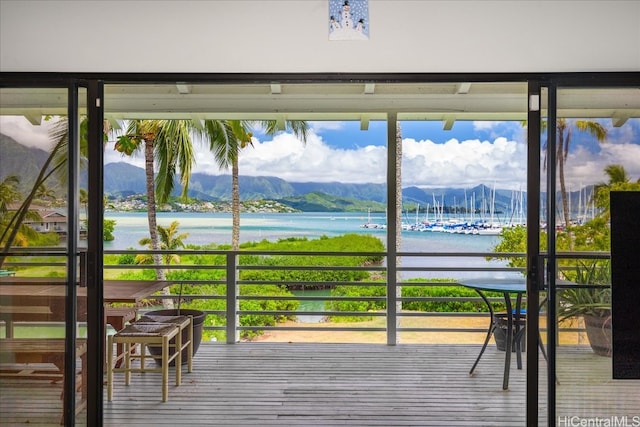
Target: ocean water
205	228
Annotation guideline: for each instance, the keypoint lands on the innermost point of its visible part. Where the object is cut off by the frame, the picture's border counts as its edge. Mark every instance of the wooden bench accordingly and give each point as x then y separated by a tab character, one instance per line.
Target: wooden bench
21	357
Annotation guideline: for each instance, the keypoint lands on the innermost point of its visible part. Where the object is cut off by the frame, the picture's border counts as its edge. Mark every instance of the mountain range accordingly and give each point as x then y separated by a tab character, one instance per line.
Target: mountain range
124	179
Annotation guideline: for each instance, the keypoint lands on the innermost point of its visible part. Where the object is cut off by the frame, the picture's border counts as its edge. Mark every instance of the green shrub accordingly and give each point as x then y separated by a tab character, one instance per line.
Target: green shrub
278	278
346	243
361	306
447	306
126	259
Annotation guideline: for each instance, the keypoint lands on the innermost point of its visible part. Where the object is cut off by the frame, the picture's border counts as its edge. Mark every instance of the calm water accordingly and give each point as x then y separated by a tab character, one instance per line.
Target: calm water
205	228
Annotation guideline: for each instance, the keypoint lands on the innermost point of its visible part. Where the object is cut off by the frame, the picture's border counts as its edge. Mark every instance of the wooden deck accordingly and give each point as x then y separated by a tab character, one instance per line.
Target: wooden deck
276	384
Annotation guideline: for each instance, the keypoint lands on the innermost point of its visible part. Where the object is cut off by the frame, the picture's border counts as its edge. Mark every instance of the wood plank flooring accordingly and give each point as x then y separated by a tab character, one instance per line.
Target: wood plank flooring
279	384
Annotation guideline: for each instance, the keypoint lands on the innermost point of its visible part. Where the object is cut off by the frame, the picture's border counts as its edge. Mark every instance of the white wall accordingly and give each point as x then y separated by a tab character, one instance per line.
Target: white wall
292	36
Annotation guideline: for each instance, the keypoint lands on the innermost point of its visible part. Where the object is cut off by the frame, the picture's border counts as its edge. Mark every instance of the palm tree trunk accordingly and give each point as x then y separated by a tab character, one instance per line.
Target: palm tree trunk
151	216
235	206
398	236
563	187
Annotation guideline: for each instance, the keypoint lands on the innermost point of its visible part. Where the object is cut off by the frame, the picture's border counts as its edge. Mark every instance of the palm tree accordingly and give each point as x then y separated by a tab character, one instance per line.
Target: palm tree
169	143
564	131
617	174
227	148
54	164
398	236
619	180
9	194
169	240
45	194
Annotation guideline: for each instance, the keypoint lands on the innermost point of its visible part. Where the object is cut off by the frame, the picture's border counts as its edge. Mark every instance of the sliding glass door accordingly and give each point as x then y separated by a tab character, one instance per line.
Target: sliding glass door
594	144
43	310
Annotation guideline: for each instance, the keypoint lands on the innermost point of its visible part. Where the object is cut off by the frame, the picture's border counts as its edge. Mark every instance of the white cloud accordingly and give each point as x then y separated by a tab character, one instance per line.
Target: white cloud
318	127
584	167
288	158
487	124
461	163
426	163
20	129
464	163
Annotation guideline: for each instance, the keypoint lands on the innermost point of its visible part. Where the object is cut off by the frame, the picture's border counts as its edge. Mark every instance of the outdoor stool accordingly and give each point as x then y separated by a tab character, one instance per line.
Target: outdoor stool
144	334
185	323
118	317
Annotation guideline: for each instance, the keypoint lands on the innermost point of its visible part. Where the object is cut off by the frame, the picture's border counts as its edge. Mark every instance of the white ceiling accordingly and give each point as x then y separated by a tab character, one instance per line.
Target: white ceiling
445	102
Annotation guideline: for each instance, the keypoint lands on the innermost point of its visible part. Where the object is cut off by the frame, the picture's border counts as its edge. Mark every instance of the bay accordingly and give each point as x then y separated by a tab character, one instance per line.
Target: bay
205	228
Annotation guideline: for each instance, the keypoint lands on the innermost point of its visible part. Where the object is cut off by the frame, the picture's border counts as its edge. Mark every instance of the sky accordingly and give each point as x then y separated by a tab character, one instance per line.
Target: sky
471	153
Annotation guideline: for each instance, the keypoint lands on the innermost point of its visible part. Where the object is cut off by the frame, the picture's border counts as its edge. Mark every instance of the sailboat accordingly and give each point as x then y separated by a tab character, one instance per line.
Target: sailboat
492	228
372	225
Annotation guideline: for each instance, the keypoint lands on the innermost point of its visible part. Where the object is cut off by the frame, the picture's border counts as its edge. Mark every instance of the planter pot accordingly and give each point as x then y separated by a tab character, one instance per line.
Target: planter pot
198	326
500	333
599	334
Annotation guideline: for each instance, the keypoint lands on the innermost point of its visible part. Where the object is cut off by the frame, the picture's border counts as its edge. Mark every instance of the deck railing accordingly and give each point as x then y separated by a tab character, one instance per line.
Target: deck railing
229	277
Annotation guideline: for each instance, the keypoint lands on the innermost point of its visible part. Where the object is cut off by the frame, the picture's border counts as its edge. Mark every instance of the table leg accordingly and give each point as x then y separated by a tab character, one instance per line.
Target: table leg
517	335
508	342
492	327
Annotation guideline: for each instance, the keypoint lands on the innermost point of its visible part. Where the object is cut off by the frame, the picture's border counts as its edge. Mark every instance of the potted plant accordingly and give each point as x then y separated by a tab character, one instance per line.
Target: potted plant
592	302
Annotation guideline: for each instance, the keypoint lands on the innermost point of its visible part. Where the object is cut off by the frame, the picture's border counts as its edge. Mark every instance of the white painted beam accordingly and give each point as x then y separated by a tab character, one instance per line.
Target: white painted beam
364	123
618	119
34	117
447	122
183	88
114	123
463	88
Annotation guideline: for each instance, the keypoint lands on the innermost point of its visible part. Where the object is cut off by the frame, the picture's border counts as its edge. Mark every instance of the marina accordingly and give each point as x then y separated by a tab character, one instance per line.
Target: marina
215	228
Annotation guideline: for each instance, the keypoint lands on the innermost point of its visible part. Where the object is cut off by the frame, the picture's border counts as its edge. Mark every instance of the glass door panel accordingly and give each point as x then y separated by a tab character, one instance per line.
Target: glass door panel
77	248
35	231
597	147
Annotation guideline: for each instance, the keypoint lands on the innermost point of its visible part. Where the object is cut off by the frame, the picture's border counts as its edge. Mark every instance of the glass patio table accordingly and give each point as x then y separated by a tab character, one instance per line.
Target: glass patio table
507	287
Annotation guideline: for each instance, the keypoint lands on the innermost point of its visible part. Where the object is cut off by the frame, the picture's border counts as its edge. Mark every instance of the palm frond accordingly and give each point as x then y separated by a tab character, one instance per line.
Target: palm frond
222	142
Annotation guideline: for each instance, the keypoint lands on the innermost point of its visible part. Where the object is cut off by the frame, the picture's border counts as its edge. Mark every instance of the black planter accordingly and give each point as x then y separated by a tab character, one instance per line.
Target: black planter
198	325
500	333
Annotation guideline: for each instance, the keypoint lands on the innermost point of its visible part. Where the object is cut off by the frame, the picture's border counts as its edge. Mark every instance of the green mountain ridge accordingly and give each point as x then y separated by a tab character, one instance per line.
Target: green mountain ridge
322	202
124	179
22	161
